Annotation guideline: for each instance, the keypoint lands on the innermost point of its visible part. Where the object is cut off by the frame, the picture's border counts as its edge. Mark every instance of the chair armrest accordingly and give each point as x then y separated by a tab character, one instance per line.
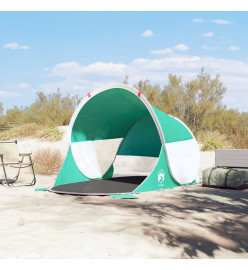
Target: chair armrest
25	154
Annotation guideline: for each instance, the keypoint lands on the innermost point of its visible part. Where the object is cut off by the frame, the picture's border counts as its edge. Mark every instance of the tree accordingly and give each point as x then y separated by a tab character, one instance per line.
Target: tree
174	97
15	116
203	94
1	110
126	80
53	109
151	92
191	101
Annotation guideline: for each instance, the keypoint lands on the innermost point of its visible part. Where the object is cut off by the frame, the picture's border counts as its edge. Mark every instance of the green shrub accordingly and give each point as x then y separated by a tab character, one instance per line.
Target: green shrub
214	140
53	110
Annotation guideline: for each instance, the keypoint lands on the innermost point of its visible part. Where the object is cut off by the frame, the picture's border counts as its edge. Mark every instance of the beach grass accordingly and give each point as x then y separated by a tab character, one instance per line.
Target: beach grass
32	130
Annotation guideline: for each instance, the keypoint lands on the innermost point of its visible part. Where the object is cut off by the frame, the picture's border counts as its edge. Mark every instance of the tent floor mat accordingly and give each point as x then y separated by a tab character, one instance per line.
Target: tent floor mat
117	185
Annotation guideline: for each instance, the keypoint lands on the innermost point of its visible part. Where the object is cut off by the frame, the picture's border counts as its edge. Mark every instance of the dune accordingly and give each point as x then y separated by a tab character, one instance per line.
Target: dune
184	222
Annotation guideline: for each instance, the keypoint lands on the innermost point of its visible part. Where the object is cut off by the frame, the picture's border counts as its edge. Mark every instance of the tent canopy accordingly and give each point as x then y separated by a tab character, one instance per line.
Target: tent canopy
117	120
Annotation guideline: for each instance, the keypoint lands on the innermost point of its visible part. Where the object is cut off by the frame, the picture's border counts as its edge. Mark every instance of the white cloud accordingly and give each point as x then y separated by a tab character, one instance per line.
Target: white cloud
181	47
75	85
197	20
221	21
22	85
105	68
209	48
233	48
162	51
24	47
9	94
82	78
163	64
73	69
67	69
185	63
16	46
148	33
209	34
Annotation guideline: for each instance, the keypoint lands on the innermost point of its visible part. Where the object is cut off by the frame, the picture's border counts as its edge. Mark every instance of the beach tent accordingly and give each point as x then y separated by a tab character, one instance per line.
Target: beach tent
119	143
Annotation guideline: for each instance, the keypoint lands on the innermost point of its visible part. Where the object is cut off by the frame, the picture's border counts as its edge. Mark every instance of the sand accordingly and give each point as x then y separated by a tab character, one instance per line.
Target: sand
184	222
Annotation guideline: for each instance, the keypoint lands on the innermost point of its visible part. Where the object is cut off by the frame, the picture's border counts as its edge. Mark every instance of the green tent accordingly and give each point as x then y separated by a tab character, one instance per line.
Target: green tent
119	143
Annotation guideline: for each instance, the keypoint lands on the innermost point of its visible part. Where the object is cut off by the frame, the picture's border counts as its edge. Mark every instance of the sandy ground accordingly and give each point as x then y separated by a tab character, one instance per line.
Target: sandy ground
184	222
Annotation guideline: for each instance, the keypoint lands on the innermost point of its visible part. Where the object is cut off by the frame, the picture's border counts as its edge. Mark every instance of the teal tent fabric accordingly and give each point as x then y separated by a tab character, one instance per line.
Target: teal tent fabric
121	113
123	196
105	117
136	143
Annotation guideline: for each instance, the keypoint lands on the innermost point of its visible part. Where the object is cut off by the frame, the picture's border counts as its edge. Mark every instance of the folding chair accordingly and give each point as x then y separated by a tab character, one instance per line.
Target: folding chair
10	157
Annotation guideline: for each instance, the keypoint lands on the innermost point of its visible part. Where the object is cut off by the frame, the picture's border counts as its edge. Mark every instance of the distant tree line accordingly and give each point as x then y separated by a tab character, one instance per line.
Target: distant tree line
197	102
52	109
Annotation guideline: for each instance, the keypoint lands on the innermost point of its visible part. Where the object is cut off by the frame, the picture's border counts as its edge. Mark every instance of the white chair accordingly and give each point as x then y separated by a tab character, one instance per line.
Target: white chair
10	157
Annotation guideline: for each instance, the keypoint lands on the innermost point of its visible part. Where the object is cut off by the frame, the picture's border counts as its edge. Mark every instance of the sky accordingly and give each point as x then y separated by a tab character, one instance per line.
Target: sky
81	51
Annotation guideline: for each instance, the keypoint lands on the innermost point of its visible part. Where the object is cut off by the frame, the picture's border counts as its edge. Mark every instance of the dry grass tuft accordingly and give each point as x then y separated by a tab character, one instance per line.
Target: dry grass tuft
32	130
240	141
49	134
213	140
47	161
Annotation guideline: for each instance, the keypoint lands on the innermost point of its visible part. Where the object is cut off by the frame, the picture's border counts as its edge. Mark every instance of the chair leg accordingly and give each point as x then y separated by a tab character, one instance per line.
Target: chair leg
5	175
34	180
19	170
